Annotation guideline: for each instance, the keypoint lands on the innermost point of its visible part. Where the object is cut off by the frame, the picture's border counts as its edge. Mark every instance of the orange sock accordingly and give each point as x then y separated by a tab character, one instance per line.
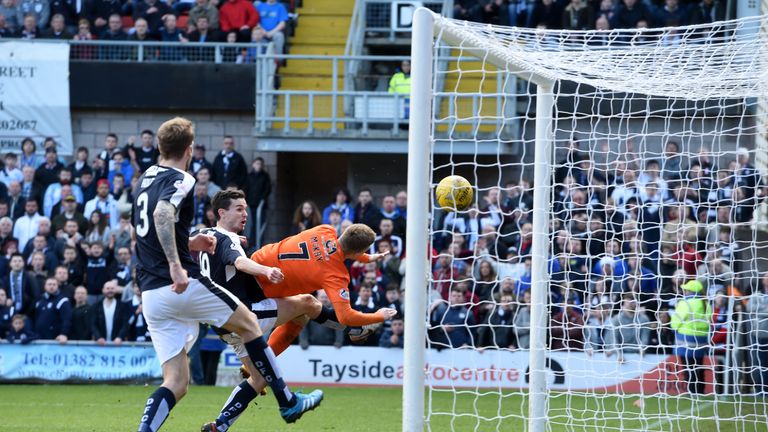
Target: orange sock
282	336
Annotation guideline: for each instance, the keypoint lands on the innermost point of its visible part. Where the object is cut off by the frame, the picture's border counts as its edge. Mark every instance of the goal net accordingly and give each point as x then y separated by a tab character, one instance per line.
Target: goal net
609	274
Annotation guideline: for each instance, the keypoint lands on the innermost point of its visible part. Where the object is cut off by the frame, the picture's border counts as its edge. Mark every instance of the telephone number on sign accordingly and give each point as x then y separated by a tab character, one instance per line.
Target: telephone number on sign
17	124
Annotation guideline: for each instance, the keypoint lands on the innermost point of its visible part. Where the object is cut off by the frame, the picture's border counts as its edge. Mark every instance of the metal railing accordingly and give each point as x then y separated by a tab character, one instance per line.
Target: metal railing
352	104
379	15
172	52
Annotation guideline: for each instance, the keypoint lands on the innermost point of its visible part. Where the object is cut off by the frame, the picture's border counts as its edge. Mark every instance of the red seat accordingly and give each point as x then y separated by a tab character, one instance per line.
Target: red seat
127	22
181	22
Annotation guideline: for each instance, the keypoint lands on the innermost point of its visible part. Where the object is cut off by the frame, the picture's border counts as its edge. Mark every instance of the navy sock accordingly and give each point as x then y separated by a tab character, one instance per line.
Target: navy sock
329	319
158	406
264	359
238	401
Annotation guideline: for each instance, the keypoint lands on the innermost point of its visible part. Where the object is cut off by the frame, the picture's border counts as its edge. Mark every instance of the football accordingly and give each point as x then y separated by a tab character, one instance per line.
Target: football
454	193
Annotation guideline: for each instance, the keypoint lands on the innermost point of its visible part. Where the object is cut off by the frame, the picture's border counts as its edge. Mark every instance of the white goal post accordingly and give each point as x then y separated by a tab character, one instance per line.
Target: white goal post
620	98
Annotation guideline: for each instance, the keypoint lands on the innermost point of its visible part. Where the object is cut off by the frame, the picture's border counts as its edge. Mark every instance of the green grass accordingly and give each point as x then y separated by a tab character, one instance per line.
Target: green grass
117	408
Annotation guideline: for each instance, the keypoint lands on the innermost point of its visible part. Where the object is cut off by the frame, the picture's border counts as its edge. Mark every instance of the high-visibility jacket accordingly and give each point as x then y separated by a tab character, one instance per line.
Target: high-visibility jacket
400	83
691	321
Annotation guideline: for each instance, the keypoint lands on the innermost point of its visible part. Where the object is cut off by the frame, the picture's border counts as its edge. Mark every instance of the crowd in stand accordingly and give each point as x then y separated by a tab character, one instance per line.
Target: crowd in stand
632	240
591	15
145	20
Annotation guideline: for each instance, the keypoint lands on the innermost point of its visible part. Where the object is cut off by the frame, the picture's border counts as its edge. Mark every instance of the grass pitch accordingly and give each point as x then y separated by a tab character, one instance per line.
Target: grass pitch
117	408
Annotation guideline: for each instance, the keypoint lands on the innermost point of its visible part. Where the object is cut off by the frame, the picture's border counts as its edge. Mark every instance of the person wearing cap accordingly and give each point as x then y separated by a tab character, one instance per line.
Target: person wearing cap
691	321
105	202
69	211
53	193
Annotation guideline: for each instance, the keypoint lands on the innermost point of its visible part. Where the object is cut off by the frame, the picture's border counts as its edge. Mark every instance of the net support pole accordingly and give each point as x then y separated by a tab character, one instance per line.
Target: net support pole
417	239
537	391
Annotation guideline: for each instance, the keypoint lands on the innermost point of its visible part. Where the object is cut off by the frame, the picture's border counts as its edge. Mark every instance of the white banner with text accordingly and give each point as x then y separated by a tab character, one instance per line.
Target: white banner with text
367	366
34	95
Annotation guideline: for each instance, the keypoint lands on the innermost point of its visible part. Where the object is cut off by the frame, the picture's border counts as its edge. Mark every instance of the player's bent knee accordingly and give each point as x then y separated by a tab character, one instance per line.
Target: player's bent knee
243	323
310	305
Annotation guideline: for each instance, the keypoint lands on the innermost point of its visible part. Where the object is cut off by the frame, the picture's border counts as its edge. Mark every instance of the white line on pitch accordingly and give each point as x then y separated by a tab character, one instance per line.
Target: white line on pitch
695	407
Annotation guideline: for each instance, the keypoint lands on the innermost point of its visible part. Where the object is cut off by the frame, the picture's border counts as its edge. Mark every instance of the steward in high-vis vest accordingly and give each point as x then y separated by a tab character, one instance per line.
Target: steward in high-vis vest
691	320
400	83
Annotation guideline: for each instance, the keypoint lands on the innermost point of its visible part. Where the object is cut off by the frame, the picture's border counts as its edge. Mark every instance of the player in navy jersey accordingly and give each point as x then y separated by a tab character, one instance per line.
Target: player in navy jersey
176	296
230	266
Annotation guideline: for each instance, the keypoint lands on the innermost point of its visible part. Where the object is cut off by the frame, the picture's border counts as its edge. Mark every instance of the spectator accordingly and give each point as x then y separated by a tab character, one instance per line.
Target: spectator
6	313
498	329
334	220
10	171
238	16
124	267
671	12
170	33
98	271
10	12
577	16
61	273
454	321
272	18
257	191
39	244
366	211
153	12
20	331
210	352
200	202
69	212
204	33
39	9
203	177
629	331
53	313
98	230
53	193
365	303
146	155
124	235
15	201
306	216
757	314
27	226
229	168
137	324
80	164
318	334
393	337
29	156
204	8
707	12
522	322
105	203
198	160
389	266
31	189
21	287
629	13
98	12
28	30
342	203
182	7
48	173
74	265
386	228
57	29
691	322
110	317
547	14
389	211
141	33
81	316
566	329
401	199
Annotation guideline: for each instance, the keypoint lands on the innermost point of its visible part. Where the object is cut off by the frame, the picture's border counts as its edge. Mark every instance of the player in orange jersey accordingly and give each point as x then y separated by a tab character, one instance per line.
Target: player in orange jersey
311	260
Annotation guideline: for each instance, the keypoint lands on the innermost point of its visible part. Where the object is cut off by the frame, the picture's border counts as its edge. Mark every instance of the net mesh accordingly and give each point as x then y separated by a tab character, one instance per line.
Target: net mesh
658	308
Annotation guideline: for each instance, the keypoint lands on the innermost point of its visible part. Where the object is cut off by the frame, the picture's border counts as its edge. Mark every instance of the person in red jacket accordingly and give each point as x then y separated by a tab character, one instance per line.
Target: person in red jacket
238	16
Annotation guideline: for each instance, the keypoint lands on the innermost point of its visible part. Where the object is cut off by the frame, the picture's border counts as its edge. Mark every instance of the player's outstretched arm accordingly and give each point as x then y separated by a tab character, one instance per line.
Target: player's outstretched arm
246	265
352	318
165	220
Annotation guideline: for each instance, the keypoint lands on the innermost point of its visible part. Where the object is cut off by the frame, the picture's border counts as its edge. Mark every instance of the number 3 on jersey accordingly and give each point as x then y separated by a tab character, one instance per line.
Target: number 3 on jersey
302	255
143	227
